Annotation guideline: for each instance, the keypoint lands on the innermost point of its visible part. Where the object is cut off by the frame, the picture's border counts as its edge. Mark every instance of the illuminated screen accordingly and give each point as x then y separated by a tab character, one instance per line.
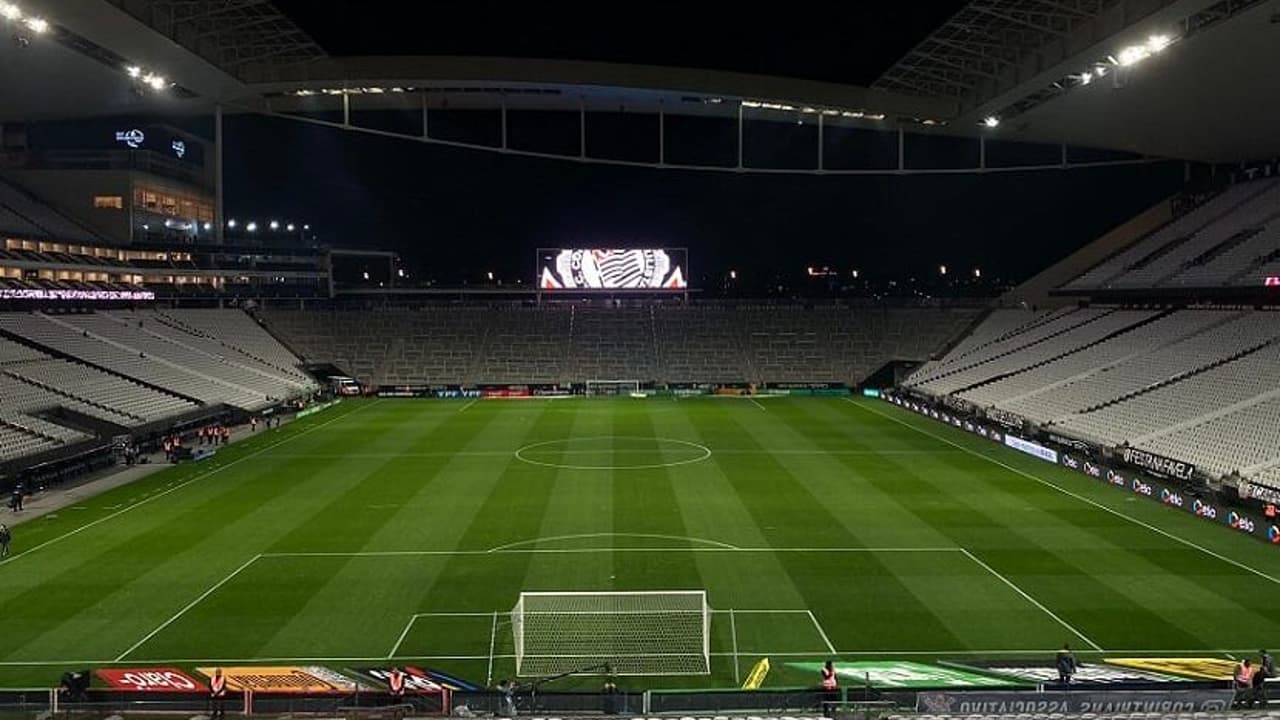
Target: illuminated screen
613	269
1272	281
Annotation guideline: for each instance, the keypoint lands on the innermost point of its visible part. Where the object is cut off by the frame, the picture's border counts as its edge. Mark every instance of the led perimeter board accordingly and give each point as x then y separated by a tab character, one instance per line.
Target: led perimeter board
613	269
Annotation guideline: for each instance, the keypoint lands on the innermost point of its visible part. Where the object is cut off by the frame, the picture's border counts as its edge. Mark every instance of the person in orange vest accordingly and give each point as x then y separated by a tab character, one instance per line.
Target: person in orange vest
395	681
217	694
1243	682
829	677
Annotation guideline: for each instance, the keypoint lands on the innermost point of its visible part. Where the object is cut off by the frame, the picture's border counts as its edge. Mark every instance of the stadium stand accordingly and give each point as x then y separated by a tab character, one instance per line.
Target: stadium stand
1231	239
696	343
1201	385
22	214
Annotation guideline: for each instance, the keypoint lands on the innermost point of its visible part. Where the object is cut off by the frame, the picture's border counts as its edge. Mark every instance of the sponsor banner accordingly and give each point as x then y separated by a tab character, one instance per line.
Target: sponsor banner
912	675
312	410
1032	449
809	386
1042	704
1194	668
1249	491
416	682
425	391
1158	465
870	392
310	680
50	294
513	391
152	680
1074	444
1004	417
1086	673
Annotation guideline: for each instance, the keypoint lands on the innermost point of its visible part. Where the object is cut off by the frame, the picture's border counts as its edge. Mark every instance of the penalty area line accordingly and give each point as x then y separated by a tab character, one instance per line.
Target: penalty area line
187	607
999	576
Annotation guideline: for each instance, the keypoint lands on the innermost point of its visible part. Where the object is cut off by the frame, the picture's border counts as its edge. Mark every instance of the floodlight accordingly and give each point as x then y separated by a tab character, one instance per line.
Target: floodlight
9	11
991	121
231	223
133	71
289	227
1156	43
366	274
37	25
942	269
251	227
275	225
1086	78
1132	54
208	226
733	274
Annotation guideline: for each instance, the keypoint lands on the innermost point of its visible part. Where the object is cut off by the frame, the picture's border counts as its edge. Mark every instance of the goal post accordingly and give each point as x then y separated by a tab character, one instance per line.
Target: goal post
613	387
656	632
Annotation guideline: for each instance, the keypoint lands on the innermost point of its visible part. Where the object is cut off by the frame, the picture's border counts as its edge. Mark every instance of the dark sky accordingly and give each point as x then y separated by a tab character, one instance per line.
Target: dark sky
851	41
453	213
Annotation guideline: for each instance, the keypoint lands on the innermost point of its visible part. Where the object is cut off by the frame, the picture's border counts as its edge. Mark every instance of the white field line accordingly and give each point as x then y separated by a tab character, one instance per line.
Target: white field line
830	648
1077	496
587	536
473	402
1040	652
733	631
578	551
187	607
403	634
615	451
181	485
493	642
996	574
756	403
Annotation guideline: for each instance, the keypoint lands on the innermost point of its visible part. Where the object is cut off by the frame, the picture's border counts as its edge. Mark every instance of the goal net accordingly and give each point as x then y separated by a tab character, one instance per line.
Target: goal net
612	387
636	633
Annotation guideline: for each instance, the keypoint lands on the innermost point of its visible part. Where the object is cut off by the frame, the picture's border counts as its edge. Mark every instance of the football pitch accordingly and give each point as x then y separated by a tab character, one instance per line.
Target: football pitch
384	532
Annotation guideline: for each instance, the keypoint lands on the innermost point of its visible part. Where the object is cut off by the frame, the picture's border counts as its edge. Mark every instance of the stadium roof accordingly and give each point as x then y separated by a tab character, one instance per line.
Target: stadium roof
1205	93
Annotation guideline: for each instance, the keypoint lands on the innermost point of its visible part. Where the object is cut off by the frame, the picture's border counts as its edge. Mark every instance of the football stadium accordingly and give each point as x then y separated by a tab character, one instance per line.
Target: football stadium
849	362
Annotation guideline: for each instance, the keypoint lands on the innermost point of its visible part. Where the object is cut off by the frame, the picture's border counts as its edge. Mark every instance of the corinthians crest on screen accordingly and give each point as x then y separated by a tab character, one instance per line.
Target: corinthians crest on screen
611	269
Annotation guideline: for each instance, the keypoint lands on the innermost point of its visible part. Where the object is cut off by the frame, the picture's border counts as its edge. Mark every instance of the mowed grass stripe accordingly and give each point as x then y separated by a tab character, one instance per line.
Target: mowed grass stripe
976	609
257	617
789	512
1085	557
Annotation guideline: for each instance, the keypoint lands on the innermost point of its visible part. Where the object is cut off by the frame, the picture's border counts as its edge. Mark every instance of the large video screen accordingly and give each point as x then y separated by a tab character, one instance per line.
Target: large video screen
613	269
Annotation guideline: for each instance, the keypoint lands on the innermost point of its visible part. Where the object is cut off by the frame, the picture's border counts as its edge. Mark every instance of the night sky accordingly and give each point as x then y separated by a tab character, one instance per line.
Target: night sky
456	213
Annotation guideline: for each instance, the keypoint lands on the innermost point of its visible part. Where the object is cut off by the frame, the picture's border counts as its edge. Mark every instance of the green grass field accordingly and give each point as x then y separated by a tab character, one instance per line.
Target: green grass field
822	523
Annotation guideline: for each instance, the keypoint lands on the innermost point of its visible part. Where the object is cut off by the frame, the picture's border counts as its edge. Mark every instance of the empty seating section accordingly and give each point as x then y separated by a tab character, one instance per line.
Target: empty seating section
1233	442
15	442
1201	385
240	333
997	325
1181	401
1091	360
31	217
1231	240
525	345
111	391
612	344
1221	334
1036	343
699	343
1167	238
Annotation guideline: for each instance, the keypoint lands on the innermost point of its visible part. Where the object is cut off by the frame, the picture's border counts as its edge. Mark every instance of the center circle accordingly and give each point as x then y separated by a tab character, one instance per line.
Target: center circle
613	452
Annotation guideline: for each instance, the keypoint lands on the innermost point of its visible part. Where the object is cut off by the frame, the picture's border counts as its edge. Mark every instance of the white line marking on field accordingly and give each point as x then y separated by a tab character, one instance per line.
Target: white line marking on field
733	631
756	403
586	536
1069	493
576	551
403	634
187	607
999	576
831	648
473	402
493	640
181	485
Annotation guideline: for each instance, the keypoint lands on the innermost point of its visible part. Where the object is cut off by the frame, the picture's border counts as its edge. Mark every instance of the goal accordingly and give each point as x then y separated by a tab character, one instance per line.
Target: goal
664	632
613	387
